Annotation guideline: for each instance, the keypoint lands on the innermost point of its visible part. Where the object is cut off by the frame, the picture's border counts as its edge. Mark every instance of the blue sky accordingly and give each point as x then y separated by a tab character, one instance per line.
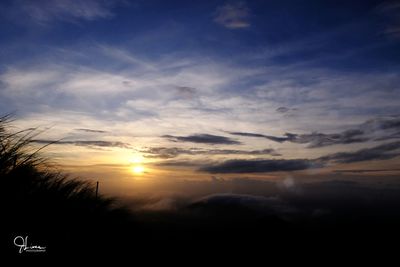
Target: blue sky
296	31
145	77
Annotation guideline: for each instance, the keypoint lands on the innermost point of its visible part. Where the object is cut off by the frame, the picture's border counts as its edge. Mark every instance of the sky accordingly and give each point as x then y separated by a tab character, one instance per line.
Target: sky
151	94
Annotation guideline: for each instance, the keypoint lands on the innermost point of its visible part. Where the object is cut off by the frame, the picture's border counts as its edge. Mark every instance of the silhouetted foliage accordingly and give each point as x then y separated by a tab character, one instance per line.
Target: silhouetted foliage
38	201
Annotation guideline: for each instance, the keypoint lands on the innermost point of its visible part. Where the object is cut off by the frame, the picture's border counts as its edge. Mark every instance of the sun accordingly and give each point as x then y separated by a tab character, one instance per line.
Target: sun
136	163
138	169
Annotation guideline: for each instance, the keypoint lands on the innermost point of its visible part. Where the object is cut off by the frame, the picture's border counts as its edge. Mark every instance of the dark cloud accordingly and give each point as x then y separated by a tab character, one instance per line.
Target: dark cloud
265	194
285	109
320	140
90	130
282	109
96	143
314	139
260	165
378	129
180	163
203	138
381	152
270	137
333	211
259	204
389	123
185	91
366	170
172	152
319	200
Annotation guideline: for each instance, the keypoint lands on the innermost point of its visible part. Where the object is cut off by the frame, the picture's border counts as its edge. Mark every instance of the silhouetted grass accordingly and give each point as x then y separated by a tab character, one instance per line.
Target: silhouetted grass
55	210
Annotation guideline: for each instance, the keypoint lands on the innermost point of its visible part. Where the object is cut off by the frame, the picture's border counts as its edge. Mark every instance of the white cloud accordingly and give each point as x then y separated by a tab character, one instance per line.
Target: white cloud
124	56
18	80
63	79
233	15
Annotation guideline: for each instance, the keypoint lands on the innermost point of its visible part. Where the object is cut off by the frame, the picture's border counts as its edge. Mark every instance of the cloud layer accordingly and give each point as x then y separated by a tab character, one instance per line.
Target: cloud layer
380	152
172	152
375	129
203	139
85	143
260	165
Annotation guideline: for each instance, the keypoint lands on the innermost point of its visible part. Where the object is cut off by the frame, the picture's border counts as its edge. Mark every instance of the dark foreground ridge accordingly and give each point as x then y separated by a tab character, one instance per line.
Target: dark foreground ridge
65	216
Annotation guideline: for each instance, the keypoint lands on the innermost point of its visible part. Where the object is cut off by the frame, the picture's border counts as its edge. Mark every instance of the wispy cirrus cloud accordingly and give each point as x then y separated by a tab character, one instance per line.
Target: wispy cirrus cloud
233	15
44	12
86	143
90	130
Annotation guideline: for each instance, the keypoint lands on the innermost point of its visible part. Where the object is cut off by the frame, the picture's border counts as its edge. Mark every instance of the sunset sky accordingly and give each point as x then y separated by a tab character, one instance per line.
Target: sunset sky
165	92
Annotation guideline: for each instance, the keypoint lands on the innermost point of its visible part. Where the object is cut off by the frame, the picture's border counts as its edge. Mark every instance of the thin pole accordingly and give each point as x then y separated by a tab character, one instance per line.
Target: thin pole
97	188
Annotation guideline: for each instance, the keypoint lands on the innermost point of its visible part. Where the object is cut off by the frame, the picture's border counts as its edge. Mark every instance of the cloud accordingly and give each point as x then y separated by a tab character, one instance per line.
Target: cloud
390	10
180	163
186	92
172	152
320	139
90	130
101	89
270	137
68	10
288	184
321	204
286	111
203	138
381	152
62	79
260	165
366	170
233	15
282	109
96	143
378	129
259	204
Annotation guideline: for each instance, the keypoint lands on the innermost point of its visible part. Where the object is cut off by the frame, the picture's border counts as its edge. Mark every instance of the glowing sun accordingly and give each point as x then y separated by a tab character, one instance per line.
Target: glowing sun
138	169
